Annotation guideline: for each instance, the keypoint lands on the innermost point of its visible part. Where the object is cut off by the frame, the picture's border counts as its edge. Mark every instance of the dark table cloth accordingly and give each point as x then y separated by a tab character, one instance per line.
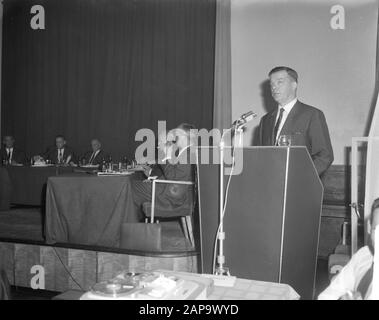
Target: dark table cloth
5	291
29	183
87	210
5	189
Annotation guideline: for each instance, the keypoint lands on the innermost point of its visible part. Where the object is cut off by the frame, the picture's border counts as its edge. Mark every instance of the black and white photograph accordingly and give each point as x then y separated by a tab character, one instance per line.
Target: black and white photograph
189	156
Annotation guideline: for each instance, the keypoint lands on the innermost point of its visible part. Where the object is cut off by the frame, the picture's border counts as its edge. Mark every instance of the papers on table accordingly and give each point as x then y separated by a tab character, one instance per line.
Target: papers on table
137	168
42	165
114	174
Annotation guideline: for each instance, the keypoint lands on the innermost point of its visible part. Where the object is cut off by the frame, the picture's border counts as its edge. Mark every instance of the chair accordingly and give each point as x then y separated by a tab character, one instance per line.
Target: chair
184	212
341	255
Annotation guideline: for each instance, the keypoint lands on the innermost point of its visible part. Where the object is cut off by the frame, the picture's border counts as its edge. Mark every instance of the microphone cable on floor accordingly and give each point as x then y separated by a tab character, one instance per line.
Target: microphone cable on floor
68	271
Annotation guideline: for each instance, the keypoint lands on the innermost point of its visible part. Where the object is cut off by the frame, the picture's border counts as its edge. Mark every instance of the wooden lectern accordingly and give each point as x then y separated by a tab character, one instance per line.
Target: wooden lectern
272	217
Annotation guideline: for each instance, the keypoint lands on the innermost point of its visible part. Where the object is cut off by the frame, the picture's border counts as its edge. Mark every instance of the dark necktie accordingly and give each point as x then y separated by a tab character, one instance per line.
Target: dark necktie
278	124
60	155
365	282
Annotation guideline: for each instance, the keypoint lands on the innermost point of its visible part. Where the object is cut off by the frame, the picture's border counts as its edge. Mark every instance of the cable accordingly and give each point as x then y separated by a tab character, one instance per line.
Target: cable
68	272
224	204
224	207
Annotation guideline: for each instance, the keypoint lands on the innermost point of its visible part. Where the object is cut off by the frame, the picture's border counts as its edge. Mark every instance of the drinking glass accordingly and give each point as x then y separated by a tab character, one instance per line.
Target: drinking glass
284	140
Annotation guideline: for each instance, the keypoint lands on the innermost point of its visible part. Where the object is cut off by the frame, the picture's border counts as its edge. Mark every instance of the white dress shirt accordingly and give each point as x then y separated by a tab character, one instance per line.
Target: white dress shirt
350	276
287	109
60	154
10	154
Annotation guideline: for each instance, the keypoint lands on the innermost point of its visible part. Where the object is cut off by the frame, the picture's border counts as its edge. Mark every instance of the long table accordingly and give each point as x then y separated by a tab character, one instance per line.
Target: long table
87	209
5	291
25	185
5	189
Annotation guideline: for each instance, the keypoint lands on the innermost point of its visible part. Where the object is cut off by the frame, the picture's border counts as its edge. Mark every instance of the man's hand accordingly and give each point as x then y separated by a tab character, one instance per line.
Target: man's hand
146	169
68	160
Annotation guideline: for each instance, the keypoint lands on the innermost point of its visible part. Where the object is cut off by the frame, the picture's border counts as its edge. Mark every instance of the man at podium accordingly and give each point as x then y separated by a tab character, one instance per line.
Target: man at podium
305	125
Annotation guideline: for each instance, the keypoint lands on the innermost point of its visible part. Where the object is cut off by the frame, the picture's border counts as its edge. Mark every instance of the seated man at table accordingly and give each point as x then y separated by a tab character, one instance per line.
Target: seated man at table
167	195
60	153
354	281
96	156
11	155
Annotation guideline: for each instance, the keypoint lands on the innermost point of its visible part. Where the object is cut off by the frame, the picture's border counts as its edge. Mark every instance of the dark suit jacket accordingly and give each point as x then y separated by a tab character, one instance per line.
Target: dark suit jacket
98	159
307	127
158	171
175	195
52	155
18	155
168	196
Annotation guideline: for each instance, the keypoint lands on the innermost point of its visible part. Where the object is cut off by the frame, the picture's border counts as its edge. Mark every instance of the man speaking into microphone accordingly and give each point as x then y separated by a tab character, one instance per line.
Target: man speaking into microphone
305	125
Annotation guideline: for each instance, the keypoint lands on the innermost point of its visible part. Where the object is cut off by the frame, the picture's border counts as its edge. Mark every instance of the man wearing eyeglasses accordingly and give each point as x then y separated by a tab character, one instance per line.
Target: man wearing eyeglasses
167	195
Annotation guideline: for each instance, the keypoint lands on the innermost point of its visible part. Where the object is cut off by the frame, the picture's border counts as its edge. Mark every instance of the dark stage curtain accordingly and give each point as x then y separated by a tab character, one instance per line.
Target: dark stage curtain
106	68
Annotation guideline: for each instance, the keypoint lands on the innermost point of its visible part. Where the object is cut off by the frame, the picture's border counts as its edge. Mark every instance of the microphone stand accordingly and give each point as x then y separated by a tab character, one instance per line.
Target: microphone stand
221	269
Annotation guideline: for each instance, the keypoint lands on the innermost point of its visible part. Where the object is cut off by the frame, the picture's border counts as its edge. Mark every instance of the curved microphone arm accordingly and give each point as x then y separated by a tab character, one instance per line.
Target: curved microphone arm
239	124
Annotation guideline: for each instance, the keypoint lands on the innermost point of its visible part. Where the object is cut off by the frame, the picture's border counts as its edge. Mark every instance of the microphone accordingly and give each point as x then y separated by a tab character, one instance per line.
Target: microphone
245	118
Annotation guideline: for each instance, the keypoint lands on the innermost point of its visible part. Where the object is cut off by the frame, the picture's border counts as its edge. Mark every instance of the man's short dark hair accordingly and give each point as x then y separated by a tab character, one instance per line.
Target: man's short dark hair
186	127
60	136
375	206
9	136
291	72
